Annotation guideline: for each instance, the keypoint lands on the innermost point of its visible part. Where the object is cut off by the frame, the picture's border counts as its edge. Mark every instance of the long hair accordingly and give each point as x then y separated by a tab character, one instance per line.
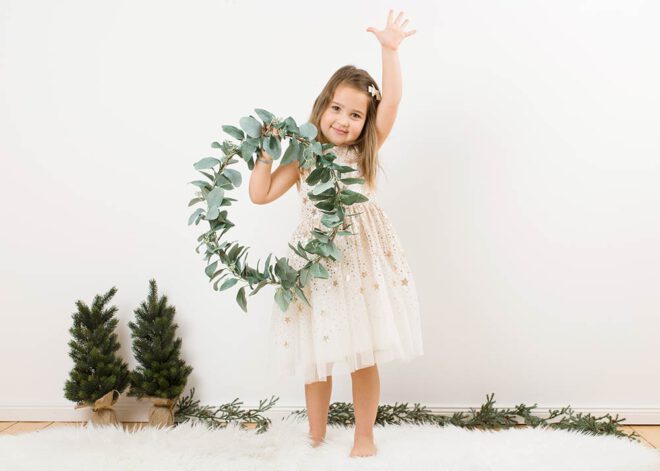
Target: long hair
367	143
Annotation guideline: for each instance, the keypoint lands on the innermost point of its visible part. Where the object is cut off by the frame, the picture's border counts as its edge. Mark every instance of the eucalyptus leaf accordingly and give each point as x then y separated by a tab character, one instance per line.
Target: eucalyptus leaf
318	271
215	284
240	299
298	252
233	132
283	298
201	184
305	276
259	286
326	205
233	252
291	125
212	213
207	162
194	215
308	130
208	175
333	251
247	149
228	284
321	236
291	153
251	126
214	198
267	264
316	147
351	181
210	269
272	146
234	176
314	176
301	295
320	188
265	116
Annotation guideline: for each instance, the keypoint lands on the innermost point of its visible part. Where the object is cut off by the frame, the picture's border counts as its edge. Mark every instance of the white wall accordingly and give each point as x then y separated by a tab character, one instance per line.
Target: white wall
521	176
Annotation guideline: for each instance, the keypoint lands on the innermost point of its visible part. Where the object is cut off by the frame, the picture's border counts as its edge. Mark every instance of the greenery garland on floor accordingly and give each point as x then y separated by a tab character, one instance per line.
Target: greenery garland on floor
342	414
217	417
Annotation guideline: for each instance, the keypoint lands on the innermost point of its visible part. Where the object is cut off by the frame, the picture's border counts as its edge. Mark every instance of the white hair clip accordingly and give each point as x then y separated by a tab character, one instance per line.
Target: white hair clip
374	92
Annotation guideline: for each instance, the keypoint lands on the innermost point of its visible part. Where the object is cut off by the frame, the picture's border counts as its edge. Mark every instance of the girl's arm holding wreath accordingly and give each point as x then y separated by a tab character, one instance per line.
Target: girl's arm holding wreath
266	187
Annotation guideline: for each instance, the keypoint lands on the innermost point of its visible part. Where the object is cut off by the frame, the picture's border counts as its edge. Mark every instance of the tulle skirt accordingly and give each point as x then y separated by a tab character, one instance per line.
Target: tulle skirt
366	313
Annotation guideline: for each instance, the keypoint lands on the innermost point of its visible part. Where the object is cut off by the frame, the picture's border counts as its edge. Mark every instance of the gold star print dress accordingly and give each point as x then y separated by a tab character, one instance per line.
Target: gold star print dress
366	312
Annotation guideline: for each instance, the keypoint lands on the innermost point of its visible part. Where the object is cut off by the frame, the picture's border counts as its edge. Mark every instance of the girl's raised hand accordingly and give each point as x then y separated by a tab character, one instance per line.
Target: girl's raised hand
393	34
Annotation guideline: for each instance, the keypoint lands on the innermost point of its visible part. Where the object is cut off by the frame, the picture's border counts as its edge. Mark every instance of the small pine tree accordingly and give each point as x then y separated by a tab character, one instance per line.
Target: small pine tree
97	370
161	372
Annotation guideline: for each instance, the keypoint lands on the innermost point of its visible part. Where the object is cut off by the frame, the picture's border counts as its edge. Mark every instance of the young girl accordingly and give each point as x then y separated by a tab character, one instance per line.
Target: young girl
367	312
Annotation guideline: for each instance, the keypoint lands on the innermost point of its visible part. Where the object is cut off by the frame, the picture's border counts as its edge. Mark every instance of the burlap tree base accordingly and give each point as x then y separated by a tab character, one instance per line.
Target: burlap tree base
161	411
103	413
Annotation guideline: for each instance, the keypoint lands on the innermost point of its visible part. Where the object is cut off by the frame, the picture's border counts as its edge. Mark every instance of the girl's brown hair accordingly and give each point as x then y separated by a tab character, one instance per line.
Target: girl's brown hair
367	144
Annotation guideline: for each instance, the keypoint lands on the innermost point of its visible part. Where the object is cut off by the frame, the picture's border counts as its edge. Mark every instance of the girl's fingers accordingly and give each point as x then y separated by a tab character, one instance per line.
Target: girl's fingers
409	33
403	25
389	17
398	17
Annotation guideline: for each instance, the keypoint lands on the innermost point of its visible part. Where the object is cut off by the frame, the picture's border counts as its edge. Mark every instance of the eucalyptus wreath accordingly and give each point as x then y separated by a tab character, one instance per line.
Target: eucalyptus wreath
329	192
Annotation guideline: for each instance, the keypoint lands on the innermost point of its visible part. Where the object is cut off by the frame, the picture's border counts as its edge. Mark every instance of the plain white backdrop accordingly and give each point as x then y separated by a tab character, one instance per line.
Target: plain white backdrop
521	176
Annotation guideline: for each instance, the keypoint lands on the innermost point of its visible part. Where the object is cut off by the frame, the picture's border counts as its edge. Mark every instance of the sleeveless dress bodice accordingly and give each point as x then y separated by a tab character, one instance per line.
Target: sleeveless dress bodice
345	156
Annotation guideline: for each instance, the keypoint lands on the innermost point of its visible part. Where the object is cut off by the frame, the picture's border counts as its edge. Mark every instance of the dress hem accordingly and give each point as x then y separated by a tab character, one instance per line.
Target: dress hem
314	372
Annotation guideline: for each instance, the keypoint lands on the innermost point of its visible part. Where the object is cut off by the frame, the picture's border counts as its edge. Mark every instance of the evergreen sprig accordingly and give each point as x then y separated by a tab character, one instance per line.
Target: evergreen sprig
222	416
97	369
329	193
161	372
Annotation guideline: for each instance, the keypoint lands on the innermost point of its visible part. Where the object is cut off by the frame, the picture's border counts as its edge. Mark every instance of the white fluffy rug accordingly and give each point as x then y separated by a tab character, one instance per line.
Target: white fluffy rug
285	446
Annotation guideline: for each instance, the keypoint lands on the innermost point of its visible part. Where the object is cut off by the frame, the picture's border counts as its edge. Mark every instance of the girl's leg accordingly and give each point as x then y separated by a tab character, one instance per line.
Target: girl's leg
366	395
317	397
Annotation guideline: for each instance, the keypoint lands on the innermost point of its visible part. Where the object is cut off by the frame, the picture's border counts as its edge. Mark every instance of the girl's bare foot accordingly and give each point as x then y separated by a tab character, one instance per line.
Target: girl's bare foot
363	446
316	441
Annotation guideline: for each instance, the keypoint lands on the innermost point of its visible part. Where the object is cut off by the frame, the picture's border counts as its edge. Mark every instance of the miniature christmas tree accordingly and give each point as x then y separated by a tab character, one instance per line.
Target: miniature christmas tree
98	376
161	375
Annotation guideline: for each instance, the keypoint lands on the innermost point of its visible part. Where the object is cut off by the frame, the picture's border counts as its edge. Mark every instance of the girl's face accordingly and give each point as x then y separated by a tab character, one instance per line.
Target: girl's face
343	119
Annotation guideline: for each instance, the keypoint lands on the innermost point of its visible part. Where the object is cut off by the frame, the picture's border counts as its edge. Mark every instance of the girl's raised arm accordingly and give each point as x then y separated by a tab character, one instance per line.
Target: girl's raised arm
390	38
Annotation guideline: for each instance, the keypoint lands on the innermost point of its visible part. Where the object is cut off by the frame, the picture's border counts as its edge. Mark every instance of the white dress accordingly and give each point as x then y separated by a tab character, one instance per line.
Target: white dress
367	311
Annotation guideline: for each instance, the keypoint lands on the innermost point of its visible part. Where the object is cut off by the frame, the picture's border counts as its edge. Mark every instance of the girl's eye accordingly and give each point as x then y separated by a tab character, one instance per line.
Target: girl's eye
335	107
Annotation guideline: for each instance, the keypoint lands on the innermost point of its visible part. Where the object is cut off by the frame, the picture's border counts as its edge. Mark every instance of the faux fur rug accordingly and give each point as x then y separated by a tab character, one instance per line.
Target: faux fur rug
285	446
